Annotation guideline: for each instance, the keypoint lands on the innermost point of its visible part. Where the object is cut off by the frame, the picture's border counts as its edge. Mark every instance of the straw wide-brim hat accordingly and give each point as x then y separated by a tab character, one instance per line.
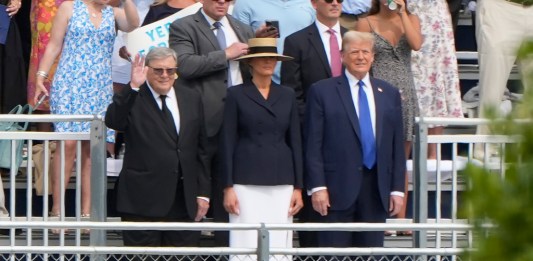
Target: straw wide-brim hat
263	47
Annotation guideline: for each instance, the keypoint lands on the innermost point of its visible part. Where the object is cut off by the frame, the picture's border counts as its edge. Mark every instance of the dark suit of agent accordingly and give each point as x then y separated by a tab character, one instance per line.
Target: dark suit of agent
311	49
310	62
348	182
209	69
164	176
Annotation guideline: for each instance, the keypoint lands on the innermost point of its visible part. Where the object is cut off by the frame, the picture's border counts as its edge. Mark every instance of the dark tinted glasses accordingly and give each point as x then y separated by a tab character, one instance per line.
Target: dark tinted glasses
159	71
331	1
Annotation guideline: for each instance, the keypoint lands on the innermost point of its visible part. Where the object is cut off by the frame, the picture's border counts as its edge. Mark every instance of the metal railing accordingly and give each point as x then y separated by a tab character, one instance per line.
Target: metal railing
262	252
96	137
453	229
421	162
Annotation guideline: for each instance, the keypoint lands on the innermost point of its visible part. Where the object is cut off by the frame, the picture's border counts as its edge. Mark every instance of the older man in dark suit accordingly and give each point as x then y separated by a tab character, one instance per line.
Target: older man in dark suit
207	43
165	175
355	162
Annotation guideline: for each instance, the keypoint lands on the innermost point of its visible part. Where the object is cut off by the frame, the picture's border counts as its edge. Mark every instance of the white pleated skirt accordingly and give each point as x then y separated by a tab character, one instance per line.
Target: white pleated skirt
262	204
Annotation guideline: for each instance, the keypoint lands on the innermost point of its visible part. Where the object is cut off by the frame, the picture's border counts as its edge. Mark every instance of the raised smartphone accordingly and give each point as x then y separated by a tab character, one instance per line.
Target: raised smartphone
273	25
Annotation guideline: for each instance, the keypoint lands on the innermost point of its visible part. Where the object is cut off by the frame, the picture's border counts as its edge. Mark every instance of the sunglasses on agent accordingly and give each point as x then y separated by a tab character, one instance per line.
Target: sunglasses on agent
331	1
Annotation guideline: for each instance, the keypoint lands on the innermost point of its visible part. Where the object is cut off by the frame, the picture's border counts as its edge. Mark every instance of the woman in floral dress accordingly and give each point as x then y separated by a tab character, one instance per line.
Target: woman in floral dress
84	33
435	65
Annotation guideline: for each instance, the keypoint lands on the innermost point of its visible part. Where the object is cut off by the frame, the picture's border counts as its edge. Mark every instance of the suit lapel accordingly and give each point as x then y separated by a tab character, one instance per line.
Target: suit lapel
343	31
251	92
274	95
378	102
316	42
237	29
343	88
205	28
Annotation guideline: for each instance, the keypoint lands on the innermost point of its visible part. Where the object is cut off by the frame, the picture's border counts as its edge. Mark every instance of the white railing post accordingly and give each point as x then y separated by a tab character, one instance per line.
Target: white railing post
98	182
420	182
263	243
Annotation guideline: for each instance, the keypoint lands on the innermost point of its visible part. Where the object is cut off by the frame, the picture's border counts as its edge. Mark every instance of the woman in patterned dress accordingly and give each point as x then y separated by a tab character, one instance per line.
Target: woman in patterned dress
84	33
435	66
397	32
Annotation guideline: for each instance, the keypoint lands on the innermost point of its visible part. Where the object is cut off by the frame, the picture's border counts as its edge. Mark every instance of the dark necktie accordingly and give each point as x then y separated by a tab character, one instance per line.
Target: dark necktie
365	124
221	39
169	120
334	54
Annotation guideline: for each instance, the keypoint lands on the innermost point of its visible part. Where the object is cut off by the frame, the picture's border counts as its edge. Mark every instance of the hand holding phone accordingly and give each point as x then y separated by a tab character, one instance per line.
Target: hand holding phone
273	25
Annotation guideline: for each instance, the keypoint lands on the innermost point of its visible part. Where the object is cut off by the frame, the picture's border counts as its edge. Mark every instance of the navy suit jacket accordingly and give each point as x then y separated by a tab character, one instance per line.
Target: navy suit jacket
333	151
310	62
260	138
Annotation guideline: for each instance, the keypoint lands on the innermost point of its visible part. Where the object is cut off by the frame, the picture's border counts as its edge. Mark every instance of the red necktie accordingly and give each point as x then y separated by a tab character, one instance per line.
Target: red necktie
335	54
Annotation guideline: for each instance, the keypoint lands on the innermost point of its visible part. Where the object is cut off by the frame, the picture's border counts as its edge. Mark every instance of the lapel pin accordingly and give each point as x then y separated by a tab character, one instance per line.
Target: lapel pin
380	90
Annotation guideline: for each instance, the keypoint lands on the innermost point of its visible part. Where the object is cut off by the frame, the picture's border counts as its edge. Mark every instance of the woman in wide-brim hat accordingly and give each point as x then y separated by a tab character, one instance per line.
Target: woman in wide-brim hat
260	150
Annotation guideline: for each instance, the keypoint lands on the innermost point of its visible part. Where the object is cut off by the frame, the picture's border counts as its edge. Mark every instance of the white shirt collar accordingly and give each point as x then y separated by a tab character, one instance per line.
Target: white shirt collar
352	81
323	28
171	94
224	21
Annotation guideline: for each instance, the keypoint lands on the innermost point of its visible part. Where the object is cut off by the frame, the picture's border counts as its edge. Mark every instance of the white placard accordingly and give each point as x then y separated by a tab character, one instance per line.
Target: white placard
142	39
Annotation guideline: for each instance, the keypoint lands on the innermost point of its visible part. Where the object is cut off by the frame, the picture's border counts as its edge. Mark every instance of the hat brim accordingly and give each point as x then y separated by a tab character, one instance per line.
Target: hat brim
278	57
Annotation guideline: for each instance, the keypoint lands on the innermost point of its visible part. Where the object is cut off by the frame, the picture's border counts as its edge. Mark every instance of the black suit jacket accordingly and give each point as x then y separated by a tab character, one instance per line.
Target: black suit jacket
310	62
260	139
154	158
203	65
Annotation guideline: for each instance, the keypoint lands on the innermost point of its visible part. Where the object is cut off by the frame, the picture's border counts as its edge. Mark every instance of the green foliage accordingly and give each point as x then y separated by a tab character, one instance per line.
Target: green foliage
506	202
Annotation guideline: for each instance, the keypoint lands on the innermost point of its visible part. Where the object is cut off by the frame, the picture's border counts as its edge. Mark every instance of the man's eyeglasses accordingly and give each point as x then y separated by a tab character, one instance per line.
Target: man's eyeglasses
331	1
226	0
160	71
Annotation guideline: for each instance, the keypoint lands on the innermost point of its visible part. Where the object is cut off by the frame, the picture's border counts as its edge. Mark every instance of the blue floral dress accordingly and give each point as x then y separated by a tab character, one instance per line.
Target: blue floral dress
82	83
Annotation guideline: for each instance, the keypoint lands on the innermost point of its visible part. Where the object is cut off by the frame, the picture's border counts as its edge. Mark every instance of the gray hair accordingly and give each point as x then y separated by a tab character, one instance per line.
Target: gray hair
356	36
159	53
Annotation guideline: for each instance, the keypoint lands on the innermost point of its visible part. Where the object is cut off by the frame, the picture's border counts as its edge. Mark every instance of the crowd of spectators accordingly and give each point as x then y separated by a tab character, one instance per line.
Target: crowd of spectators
264	114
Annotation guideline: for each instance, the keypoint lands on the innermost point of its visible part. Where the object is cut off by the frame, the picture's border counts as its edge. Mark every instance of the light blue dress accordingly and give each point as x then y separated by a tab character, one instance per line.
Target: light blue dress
82	83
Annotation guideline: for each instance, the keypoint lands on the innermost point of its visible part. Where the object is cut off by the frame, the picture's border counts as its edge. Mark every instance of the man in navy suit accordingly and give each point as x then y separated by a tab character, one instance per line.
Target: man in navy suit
312	50
355	163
